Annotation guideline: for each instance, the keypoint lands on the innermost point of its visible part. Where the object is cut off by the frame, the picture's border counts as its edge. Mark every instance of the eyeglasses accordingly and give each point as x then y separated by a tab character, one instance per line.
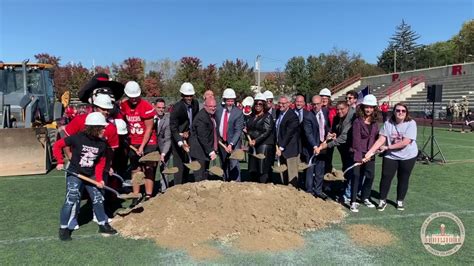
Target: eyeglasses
316	103
259	104
282	103
349	98
400	110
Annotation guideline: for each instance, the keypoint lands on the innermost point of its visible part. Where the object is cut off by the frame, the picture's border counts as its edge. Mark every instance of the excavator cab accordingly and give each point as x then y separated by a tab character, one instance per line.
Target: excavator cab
28	107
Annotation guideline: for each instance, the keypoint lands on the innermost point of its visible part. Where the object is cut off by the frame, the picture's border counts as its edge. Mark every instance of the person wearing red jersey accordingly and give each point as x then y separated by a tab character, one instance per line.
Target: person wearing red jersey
139	114
88	158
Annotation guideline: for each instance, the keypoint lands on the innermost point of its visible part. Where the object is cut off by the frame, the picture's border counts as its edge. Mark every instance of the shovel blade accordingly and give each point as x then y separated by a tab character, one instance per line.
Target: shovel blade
237	155
215	170
151	157
170	171
279	168
194	166
130	196
138	178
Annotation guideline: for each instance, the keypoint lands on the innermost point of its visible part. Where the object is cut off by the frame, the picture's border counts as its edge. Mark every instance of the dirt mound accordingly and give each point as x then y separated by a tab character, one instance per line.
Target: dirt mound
369	235
253	217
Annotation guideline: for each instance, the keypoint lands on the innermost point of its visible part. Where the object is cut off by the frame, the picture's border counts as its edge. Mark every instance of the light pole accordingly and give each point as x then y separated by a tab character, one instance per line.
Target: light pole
257	67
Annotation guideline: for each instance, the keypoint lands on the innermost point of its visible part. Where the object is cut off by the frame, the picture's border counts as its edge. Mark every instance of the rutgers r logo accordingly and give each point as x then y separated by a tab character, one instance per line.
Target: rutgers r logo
442	234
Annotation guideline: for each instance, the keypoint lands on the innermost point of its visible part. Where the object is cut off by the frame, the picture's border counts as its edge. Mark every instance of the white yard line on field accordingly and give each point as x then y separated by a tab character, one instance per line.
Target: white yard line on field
395	216
43	238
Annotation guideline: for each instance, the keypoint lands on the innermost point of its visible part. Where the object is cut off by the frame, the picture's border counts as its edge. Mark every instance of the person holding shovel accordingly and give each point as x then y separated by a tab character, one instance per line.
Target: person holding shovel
316	128
163	134
364	135
139	115
230	121
181	119
287	129
260	132
397	139
204	138
88	158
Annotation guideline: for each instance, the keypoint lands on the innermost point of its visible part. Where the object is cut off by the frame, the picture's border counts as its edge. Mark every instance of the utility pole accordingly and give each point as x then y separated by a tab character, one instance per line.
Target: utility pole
257	67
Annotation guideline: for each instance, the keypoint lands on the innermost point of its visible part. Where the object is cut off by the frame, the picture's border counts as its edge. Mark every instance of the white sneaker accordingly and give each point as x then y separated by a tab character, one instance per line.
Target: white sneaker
355	207
382	206
347	201
400	206
368	203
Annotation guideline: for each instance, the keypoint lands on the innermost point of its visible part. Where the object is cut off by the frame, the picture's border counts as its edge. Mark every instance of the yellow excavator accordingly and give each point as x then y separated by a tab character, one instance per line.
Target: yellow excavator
29	109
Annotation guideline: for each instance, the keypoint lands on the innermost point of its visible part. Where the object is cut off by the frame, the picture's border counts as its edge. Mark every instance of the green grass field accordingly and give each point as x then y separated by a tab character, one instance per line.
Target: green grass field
29	214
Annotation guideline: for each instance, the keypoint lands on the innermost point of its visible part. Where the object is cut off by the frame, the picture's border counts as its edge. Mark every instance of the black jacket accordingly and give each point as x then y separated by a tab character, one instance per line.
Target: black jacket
261	128
288	136
202	136
179	121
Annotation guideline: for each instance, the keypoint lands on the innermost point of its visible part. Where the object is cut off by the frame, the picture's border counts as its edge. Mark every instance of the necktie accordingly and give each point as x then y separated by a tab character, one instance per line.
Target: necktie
226	122
278	125
190	116
215	132
300	115
321	126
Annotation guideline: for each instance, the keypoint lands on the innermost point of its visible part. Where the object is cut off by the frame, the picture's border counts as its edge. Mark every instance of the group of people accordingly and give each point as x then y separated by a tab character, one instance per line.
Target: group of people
120	130
459	110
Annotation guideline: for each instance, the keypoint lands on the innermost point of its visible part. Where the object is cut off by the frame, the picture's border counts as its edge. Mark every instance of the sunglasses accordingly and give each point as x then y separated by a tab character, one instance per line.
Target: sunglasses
259	104
400	110
349	98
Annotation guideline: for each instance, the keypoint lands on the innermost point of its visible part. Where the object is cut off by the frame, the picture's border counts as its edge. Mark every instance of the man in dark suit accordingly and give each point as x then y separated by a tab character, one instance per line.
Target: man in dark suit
181	120
204	138
301	112
163	133
316	128
230	122
272	108
287	132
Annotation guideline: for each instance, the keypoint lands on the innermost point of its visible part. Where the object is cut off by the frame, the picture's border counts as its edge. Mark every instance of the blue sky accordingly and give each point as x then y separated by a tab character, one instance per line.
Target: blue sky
111	31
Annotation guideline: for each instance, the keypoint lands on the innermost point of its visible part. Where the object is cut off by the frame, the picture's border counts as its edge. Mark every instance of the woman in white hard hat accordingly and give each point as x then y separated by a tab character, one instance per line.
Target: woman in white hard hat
88	158
364	134
260	129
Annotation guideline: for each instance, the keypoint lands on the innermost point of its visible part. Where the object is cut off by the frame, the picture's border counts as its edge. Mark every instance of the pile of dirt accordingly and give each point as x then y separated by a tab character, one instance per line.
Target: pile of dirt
250	216
369	235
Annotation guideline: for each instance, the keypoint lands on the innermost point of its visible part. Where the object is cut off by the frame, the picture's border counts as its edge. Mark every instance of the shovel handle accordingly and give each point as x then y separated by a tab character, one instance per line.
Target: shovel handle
222	144
134	149
90	180
248	137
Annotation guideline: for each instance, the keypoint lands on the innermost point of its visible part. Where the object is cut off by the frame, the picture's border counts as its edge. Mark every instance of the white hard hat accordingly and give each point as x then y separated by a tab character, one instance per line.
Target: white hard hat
248	101
132	89
103	101
268	94
187	89
369	100
229	94
325	92
121	126
96	119
260	97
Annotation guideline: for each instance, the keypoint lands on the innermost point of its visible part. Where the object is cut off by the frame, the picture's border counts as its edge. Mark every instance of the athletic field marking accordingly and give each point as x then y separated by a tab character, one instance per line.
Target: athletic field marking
395	216
29	177
43	238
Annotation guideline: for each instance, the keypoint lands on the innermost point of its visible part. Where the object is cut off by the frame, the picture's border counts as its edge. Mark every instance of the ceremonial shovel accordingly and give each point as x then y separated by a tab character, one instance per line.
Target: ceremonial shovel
92	181
254	154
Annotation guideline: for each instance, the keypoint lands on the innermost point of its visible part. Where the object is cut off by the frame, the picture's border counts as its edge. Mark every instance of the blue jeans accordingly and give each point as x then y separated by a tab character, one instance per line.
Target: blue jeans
69	211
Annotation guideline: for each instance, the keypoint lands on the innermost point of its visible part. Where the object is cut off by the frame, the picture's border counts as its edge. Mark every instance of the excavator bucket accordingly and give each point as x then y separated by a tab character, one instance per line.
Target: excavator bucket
24	151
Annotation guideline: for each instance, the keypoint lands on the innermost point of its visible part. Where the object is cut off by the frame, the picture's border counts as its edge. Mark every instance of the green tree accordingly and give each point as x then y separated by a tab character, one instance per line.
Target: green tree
190	70
296	75
464	42
404	43
237	75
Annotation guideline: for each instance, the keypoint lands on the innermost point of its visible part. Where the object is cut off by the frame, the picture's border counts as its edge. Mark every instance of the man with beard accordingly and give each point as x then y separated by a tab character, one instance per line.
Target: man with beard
181	120
139	115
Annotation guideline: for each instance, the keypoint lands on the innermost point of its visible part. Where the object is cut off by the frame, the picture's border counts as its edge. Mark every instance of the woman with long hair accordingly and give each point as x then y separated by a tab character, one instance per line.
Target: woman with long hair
262	141
397	139
364	135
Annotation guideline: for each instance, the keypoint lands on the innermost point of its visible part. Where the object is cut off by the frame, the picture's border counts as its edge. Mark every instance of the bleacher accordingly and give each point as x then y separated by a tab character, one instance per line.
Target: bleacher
457	81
